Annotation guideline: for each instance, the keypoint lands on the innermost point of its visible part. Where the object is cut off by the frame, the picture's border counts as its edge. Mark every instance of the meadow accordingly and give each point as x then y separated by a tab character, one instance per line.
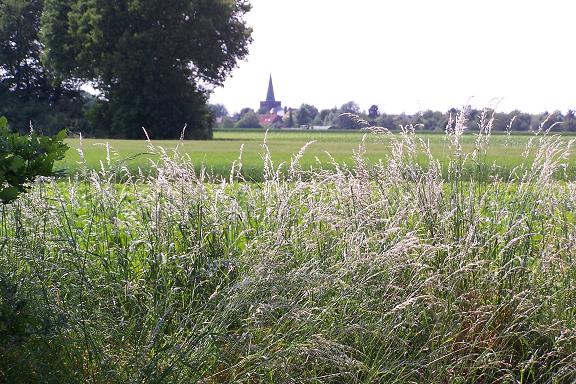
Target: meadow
410	269
217	156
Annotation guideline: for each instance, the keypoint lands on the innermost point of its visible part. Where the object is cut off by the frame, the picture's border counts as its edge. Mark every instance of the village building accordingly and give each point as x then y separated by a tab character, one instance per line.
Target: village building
270	105
271	110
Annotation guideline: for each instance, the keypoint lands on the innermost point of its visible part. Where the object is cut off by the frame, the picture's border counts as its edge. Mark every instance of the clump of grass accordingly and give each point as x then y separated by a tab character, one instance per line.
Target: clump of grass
394	272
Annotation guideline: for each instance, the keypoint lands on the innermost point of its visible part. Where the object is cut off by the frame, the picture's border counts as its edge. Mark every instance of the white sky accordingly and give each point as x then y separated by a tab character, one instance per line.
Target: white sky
409	55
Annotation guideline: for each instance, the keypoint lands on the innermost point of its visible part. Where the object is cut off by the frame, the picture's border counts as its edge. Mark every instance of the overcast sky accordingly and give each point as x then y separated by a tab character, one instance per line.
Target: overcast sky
409	55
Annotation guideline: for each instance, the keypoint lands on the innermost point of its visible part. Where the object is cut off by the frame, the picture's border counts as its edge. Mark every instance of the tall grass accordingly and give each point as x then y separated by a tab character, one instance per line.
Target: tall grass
394	272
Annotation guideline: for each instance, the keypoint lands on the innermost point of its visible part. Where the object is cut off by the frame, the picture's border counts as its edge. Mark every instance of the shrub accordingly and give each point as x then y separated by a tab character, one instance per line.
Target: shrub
249	120
24	157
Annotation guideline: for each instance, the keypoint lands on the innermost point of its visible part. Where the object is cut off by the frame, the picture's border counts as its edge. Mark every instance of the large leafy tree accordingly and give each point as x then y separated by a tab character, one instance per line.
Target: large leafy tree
305	114
27	94
23	83
20	69
151	60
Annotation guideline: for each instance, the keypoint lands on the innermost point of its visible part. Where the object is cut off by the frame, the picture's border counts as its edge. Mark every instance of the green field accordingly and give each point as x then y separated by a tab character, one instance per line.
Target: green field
218	155
376	273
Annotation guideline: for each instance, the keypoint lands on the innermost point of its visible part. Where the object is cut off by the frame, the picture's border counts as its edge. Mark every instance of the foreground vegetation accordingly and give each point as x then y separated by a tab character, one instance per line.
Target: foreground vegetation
372	272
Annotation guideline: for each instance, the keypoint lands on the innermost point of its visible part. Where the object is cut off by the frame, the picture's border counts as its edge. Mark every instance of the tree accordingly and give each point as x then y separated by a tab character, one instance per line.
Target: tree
350	107
27	94
324	113
20	69
239	115
227	122
218	110
289	120
329	116
305	114
249	120
317	120
430	120
347	117
522	121
386	121
551	121
402	120
147	58
373	112
570	121
220	115
349	121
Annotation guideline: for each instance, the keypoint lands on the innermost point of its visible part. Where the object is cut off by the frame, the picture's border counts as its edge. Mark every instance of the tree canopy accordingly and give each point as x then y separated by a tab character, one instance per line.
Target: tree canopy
305	114
249	120
150	60
20	49
27	94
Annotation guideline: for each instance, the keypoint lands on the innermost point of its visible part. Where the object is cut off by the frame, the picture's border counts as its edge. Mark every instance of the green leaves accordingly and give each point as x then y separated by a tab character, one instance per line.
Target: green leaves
149	59
24	157
9	194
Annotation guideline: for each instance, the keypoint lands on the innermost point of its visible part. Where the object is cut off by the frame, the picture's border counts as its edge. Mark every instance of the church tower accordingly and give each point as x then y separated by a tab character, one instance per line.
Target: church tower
270	104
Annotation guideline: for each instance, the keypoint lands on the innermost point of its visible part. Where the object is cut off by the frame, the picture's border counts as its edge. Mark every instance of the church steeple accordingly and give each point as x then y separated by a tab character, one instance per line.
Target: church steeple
270	93
270	105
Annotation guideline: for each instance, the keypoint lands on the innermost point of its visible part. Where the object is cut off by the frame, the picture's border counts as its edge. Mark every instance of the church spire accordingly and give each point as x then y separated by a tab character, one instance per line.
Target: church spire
270	94
270	105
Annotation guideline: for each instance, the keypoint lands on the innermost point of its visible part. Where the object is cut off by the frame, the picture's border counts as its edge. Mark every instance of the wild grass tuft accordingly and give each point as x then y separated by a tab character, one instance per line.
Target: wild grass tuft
390	272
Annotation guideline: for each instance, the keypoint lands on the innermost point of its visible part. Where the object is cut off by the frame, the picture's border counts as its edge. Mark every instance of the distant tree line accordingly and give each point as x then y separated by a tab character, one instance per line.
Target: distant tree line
151	63
350	116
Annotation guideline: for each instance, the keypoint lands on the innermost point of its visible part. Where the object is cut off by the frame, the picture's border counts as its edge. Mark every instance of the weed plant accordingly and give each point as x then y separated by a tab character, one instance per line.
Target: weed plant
393	272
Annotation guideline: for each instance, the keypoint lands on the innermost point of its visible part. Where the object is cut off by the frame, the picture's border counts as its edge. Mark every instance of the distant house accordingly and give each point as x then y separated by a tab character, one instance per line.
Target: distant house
270	120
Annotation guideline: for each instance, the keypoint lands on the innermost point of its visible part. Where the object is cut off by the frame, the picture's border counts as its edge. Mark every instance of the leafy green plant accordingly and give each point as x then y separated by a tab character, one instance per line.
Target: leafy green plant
389	272
24	157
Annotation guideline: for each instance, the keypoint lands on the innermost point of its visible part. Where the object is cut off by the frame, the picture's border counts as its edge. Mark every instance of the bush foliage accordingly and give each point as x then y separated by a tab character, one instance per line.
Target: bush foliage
24	157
